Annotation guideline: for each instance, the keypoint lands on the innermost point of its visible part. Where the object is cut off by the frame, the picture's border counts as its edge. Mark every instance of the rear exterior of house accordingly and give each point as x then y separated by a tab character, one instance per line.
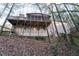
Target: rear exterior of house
34	24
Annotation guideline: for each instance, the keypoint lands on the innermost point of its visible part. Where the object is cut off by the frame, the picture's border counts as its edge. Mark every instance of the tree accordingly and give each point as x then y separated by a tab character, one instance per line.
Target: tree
6	18
43	20
71	17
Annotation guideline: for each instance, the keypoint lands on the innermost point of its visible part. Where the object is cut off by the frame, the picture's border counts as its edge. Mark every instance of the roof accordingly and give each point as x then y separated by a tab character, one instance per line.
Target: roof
38	14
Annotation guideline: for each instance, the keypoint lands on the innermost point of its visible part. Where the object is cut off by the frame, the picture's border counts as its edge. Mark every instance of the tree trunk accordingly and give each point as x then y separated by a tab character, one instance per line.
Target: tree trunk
44	21
54	23
71	17
6	19
4	9
61	21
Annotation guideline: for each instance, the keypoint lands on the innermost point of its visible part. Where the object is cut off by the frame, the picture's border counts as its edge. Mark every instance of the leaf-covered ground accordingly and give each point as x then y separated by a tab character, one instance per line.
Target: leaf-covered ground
23	46
14	45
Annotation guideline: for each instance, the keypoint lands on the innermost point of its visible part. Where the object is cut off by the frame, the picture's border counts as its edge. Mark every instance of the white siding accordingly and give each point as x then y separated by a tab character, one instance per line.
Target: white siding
30	32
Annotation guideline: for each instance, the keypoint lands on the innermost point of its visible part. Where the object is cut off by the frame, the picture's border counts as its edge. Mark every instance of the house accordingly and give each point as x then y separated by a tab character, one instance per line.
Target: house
34	24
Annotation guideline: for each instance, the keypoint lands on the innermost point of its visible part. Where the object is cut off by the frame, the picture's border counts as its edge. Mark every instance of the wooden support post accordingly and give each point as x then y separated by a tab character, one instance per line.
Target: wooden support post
38	28
30	27
16	26
24	27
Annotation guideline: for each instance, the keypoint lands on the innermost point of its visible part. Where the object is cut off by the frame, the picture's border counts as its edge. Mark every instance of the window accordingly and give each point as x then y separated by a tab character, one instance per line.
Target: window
32	17
39	17
28	17
35	17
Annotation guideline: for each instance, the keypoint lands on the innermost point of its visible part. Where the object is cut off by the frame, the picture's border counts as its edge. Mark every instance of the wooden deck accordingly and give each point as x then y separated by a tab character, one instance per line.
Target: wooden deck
29	23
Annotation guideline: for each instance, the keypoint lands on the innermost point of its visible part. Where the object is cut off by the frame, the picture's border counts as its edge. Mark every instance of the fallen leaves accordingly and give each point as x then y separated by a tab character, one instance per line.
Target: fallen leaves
19	46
